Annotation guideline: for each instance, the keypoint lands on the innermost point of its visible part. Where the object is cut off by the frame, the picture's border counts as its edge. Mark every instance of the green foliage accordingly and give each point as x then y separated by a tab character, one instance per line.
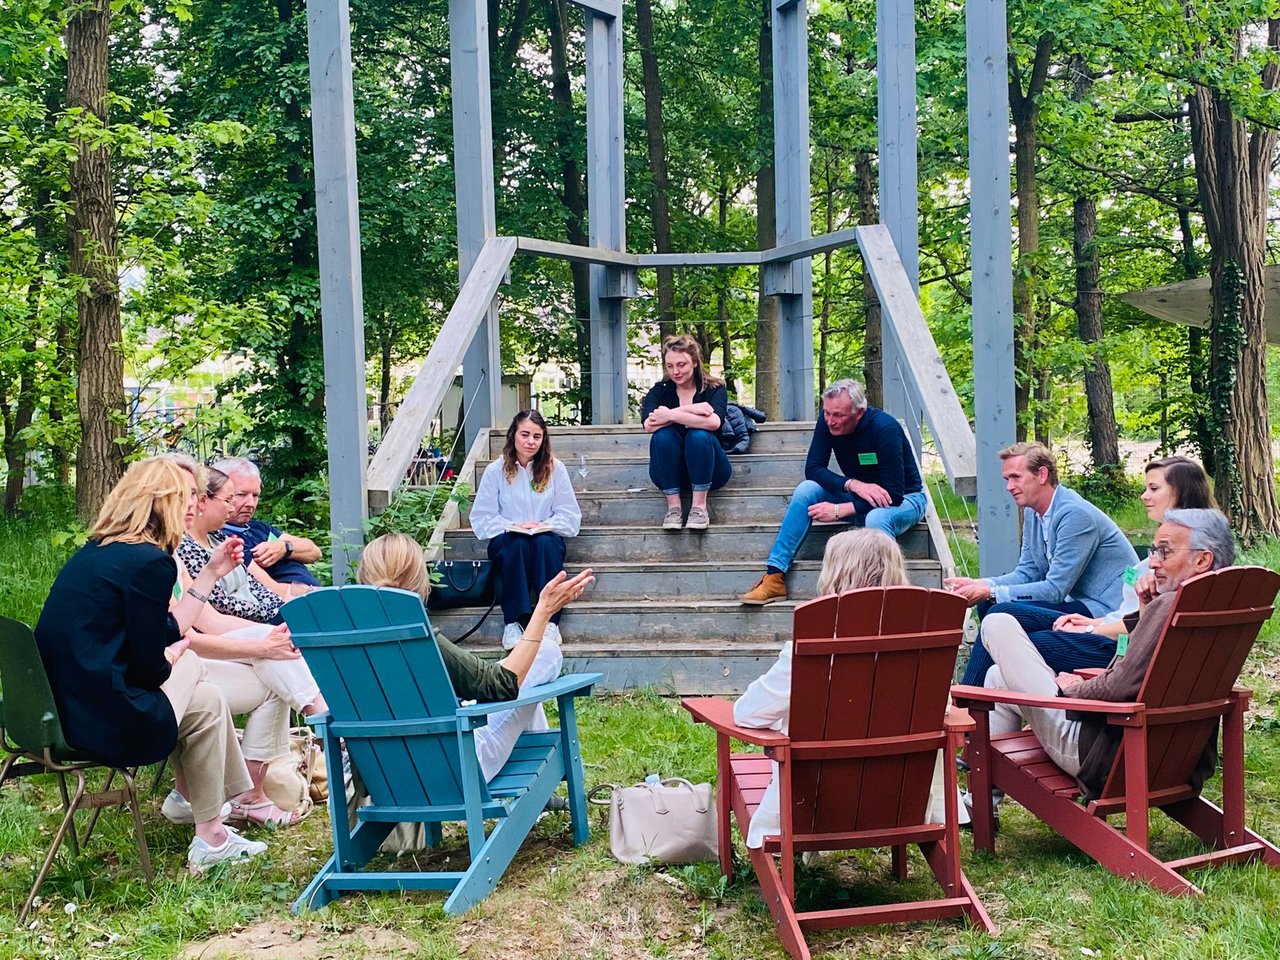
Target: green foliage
416	512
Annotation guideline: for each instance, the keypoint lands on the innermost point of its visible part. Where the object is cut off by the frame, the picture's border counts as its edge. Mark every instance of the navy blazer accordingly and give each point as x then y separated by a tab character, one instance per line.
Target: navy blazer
102	635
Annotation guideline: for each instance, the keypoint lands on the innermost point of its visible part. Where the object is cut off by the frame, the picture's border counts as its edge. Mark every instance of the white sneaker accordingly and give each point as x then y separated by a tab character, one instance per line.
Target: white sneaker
552	633
177	809
511	635
201	856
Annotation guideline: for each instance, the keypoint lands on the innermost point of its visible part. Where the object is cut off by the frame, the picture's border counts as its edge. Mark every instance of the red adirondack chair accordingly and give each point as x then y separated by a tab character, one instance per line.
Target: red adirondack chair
870	673
1189	685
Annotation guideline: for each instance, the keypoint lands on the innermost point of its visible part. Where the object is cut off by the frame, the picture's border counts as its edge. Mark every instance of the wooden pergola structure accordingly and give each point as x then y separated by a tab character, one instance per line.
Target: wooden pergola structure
911	392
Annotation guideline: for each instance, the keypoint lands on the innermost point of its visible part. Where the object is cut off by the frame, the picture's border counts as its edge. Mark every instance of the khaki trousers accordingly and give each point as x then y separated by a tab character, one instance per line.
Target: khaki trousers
207	752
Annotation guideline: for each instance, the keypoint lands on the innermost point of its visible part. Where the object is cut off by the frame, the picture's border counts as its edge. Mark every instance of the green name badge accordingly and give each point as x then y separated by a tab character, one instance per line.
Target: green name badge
1122	644
177	590
272	538
1130	576
867	460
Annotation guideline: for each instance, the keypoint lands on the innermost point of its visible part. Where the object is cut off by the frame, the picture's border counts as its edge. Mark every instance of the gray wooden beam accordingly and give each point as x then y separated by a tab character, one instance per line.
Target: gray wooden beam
473	189
333	133
606	8
558	250
792	281
606	200
921	363
422	403
899	204
992	268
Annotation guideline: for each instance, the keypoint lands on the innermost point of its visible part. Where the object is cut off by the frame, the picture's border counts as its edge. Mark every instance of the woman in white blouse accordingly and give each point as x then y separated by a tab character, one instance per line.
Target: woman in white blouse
853	559
525	507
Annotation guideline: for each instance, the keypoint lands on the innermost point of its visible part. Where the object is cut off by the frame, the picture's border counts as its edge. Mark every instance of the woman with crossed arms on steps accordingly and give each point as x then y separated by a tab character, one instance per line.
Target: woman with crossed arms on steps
853	560
525	507
683	414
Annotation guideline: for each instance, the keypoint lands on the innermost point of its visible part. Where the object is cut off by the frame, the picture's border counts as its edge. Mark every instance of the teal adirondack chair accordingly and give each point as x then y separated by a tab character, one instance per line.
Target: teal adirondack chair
373	654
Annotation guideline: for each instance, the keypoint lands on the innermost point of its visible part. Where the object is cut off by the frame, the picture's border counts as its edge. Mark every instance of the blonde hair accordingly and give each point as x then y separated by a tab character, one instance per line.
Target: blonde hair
861	558
683	343
1036	455
395	560
148	505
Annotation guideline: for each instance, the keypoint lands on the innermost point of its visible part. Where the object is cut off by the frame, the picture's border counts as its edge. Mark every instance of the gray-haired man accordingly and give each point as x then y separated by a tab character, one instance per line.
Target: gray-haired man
1188	542
283	555
878	485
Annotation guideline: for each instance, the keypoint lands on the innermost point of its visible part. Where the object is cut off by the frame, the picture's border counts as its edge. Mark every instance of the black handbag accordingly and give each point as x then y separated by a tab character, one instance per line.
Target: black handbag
462	583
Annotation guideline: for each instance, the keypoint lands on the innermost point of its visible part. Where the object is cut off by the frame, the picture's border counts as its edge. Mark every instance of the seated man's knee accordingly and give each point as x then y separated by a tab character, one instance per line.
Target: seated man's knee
999	632
807	492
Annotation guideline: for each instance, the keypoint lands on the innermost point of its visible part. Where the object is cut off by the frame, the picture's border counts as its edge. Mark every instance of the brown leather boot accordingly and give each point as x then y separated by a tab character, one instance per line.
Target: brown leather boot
768	588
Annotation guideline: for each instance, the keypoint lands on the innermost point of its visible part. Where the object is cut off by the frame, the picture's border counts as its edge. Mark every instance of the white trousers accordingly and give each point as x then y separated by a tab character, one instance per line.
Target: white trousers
1020	666
496	739
266	731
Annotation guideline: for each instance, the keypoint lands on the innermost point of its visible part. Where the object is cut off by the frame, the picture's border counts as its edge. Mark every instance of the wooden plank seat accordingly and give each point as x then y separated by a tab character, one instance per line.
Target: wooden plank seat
375	658
870	671
1189	688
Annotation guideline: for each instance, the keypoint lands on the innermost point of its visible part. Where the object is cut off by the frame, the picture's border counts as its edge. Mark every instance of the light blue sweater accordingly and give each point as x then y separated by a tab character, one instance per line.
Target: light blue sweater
1074	552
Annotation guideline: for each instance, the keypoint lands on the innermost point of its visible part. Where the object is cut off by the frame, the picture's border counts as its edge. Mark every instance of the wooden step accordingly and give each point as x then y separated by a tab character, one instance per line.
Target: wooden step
712	580
651	624
570	443
631	472
750	542
646	505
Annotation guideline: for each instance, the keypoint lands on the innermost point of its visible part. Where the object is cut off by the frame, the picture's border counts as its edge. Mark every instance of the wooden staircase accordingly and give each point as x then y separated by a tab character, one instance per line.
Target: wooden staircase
664	611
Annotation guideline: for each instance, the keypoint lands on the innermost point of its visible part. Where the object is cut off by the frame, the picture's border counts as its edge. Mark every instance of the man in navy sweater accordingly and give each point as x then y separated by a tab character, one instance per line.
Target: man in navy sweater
878	485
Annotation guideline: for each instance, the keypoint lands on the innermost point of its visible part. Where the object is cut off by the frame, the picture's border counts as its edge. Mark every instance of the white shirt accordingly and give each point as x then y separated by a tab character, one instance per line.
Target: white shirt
500	504
766	705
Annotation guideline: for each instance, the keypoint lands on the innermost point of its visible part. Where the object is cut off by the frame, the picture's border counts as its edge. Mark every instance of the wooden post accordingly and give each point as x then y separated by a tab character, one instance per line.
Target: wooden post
606	199
792	282
473	189
992	268
899	203
341	284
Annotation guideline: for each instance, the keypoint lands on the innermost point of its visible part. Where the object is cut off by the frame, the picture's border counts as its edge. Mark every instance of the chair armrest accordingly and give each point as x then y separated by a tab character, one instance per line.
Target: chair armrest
574	684
958	720
319	719
964	695
718	714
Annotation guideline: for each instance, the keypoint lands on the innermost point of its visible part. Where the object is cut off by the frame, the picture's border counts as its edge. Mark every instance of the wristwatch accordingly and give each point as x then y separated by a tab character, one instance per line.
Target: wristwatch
1089	628
288	550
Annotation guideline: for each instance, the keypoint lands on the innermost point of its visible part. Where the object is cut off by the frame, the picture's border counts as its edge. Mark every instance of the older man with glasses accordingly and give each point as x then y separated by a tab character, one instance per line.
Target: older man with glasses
283	555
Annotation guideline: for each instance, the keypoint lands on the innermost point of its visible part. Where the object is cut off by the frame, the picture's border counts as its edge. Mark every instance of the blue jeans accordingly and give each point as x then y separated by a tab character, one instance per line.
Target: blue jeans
686	458
1037	619
795	524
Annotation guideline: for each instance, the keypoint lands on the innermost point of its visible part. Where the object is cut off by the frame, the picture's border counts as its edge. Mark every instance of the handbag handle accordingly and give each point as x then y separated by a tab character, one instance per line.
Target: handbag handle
659	807
448	573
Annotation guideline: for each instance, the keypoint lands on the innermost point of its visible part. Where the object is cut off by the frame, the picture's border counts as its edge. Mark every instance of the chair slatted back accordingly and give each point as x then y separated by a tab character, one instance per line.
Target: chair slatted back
30	712
374	655
869	665
1216	618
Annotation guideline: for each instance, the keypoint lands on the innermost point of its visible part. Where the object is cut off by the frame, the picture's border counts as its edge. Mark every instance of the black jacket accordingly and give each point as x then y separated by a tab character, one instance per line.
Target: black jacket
102	636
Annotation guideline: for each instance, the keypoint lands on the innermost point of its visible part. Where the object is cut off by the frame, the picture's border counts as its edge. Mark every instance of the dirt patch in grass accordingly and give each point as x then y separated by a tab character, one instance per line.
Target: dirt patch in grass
276	940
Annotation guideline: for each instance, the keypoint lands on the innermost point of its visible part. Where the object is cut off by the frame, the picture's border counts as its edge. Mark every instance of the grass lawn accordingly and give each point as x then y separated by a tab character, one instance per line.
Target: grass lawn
555	901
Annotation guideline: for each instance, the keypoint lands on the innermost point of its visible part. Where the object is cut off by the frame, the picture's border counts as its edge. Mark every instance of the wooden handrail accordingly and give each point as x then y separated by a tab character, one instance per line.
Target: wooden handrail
926	373
389	465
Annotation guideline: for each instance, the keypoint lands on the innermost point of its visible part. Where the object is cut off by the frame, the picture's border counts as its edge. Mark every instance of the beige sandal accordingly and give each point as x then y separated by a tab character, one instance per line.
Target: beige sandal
264	813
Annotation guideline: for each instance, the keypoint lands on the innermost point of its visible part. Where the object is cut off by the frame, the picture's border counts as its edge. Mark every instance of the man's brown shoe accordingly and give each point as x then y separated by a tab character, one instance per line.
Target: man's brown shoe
768	588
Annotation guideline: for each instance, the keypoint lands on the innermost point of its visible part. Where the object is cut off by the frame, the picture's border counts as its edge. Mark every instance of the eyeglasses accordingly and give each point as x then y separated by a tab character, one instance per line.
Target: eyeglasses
227	500
1162	552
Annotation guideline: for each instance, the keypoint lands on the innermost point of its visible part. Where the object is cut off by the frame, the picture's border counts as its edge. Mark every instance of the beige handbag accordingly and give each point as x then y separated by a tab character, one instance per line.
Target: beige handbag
294	779
662	821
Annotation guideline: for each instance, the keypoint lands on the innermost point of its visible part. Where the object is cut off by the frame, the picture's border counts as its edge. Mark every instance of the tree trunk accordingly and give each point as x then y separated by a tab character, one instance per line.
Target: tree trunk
824	301
574	195
1104	438
873	348
91	233
385	343
768	397
1197	362
1025	107
1232	167
660	204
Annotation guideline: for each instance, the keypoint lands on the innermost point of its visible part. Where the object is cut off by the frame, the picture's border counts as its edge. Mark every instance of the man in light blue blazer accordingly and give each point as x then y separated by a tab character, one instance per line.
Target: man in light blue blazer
1073	557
